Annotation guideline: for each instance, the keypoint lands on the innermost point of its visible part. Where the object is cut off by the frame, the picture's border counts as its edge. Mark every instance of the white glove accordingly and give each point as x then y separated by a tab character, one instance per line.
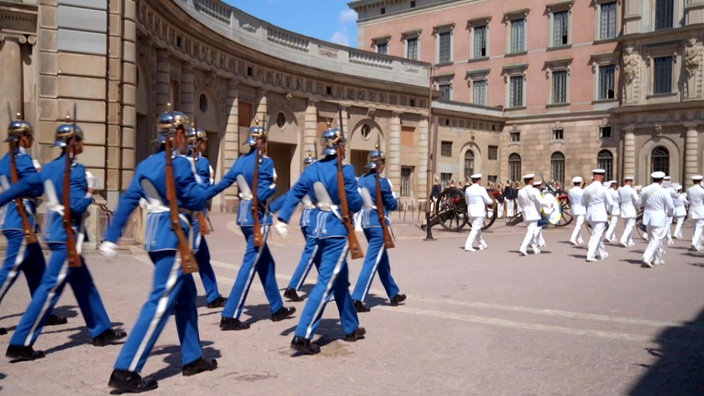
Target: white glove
90	179
281	228
108	249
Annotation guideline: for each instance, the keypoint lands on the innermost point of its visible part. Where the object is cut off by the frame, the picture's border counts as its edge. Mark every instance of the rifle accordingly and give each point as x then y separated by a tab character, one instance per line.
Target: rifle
188	263
258	237
202	221
29	234
355	249
74	260
388	239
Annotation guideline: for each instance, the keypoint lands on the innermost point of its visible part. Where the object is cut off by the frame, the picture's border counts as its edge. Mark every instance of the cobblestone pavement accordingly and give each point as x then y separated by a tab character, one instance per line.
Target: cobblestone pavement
484	323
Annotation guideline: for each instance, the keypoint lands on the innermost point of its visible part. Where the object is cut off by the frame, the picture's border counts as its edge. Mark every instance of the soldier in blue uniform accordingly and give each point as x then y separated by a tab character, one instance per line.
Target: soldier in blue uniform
319	183
305	264
204	173
377	258
173	291
70	138
256	259
19	255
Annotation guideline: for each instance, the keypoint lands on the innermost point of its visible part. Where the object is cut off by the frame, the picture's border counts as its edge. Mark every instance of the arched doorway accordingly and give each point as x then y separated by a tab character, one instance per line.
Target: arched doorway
514	167
660	160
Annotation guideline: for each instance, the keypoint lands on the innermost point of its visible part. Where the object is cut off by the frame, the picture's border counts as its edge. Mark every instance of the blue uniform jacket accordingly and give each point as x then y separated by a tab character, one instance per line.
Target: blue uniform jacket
203	169
370	217
278	203
190	195
324	224
265	189
29	185
54	231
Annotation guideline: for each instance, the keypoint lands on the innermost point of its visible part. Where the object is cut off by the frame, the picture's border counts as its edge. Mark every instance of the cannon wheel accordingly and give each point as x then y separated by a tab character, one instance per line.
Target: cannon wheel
451	210
566	217
490	217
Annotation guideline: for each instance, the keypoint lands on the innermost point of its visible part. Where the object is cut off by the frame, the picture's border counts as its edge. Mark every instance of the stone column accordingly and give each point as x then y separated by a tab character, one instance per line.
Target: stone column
163	75
187	98
691	152
10	79
262	112
229	148
422	176
393	150
629	153
310	129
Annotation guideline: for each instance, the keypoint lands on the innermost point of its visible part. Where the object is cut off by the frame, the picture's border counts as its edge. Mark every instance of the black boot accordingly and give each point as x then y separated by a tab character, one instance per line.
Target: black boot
398	298
292	294
55	320
304	345
360	307
130	381
109	336
199	366
282	313
23	353
357	334
232	324
219	302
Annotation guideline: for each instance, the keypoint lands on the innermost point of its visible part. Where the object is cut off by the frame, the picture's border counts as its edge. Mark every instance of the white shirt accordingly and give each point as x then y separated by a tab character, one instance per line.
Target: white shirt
530	202
615	208
575	196
629	201
596	198
695	196
657	204
680	205
477	198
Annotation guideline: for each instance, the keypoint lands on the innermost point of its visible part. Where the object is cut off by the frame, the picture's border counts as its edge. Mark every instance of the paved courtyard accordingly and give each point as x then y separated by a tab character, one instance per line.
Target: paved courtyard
484	323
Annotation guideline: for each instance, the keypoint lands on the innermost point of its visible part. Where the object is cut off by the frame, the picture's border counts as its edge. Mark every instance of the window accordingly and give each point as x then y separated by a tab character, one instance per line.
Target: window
516	84
203	103
660	160
607	21
406	181
382	48
280	120
479	92
558	134
518	36
605	160
445	91
468	163
480	42
662	75
445	46
559	87
514	137
412	48
605	132
493	152
606	82
514	167
446	149
560	28
445	179
664	14
557	167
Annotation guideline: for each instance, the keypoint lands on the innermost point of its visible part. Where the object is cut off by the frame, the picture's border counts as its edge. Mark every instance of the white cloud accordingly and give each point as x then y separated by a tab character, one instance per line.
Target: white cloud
347	16
341	38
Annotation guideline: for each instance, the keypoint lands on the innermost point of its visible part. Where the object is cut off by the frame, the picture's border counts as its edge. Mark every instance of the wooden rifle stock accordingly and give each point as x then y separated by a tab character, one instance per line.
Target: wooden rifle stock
388	239
258	237
355	249
72	256
29	235
188	262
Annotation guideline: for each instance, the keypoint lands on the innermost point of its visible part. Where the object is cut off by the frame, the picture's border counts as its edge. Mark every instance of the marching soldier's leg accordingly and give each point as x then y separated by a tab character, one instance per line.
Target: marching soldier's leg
266	268
345	307
235	302
302	269
207	275
387	280
375	249
11	267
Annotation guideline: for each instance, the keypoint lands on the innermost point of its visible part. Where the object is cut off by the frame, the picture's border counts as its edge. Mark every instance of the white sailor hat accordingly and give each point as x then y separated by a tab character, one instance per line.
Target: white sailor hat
667	177
598	171
577	179
537	183
608	184
626	178
658	175
697	177
676	186
476	176
528	176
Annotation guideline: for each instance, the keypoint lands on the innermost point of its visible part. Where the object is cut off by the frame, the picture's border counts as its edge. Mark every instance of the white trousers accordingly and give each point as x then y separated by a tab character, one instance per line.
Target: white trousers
532	230
475	235
627	237
678	227
611	231
655	250
698	230
596	241
576	236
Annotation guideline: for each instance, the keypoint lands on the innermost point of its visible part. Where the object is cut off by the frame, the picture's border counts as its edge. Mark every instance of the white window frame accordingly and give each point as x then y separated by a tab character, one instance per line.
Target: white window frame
474	76
558	65
652	53
472	26
673	87
509	19
446	80
675	15
382	40
606	59
437	31
599	12
410	36
515	71
552	9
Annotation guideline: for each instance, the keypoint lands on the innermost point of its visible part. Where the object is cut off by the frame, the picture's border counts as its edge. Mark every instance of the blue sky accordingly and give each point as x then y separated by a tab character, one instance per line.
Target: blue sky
329	20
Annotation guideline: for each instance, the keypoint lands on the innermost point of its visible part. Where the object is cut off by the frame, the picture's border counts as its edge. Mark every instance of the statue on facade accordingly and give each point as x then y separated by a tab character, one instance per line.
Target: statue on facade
692	56
631	64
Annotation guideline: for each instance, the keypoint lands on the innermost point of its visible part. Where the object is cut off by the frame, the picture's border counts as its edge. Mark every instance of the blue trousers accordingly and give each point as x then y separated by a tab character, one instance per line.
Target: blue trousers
205	270
31	263
333	279
376	260
173	292
306	263
259	260
49	291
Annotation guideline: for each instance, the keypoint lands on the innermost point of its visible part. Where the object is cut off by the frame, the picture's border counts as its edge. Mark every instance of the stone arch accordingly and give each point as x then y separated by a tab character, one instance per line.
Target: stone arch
644	158
359	141
470	146
285	146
